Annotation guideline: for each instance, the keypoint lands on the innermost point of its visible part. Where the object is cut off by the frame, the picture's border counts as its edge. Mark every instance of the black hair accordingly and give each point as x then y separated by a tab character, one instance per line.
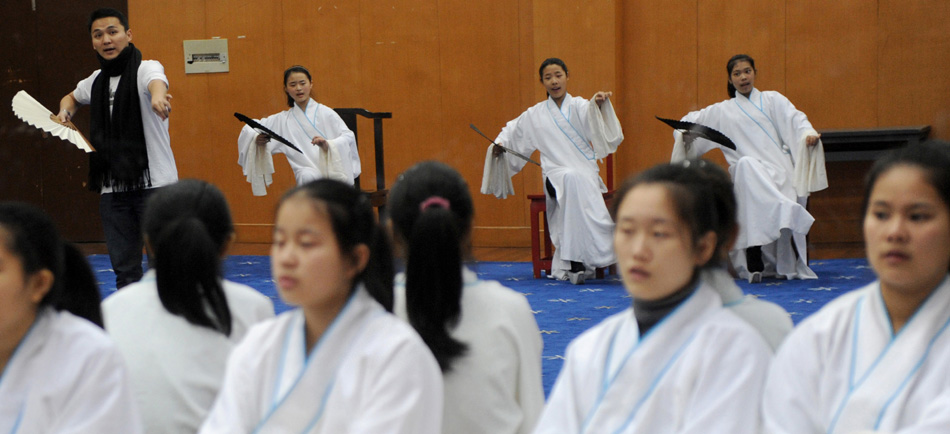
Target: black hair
354	223
431	211
718	183
699	197
731	64
548	62
28	233
101	13
291	70
187	225
932	157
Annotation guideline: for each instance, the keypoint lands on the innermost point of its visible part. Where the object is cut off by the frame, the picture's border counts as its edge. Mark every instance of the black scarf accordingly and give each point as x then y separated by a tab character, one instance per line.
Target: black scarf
121	159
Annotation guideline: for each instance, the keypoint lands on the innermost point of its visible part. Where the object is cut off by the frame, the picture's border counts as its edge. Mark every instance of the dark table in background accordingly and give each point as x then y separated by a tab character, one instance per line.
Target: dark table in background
849	153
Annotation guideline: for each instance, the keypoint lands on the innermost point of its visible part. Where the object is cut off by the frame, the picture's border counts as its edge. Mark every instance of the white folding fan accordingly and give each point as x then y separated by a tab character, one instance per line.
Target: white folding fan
33	113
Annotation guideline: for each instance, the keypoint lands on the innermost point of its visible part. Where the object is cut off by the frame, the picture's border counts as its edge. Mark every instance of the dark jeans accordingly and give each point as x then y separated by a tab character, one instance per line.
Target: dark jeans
122	223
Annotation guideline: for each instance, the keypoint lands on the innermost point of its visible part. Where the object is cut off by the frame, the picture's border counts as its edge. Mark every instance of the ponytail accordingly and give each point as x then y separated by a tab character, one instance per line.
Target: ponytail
379	271
187	271
79	290
432	213
188	225
434	282
31	236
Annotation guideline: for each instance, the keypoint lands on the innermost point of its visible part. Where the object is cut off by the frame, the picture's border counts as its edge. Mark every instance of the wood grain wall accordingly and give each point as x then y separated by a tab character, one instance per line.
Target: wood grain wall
439	65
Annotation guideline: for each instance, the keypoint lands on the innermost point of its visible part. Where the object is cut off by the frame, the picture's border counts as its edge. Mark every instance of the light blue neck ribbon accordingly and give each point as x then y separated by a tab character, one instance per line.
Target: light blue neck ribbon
577	139
608	379
312	122
777	141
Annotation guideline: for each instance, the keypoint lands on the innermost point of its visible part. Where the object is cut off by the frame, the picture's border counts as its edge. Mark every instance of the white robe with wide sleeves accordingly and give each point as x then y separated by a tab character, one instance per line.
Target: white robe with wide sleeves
771	187
369	373
699	370
340	161
844	370
570	145
66	376
495	387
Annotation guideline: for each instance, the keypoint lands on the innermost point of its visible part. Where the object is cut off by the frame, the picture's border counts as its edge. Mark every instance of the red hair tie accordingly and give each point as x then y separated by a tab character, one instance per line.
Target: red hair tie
434	201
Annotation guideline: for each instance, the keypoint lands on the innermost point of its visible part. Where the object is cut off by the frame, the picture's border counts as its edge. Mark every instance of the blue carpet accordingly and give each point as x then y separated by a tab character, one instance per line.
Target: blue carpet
563	310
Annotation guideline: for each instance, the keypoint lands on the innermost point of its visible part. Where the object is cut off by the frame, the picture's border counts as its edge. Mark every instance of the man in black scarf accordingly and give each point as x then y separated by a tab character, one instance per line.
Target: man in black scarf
130	105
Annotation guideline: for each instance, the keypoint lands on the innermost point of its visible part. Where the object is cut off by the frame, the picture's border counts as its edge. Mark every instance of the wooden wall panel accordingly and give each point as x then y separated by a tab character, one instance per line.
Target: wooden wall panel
22	150
400	64
480	85
914	74
325	38
729	27
657	58
832	62
583	35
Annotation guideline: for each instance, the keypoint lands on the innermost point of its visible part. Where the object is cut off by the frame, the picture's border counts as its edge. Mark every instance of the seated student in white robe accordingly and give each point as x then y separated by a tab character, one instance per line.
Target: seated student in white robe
483	334
771	320
329	147
341	362
676	361
176	327
571	134
877	359
777	163
59	371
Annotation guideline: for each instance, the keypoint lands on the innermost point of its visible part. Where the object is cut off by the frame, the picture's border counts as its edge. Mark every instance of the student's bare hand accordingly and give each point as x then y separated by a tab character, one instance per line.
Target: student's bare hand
812	140
162	105
497	150
262	139
602	96
320	141
64	116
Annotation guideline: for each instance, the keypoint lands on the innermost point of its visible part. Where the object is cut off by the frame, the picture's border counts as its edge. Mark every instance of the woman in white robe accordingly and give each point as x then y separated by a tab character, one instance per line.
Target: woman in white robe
483	334
677	361
341	363
329	147
59	372
777	163
176	327
571	134
877	359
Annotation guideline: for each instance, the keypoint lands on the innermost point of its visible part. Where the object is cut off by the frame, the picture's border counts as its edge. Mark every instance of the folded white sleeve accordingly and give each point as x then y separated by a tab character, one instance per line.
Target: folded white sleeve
257	161
331	164
605	131
810	175
496	178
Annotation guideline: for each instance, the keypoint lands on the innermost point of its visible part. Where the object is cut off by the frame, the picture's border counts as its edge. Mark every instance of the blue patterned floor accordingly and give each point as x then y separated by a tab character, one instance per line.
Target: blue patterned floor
563	310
